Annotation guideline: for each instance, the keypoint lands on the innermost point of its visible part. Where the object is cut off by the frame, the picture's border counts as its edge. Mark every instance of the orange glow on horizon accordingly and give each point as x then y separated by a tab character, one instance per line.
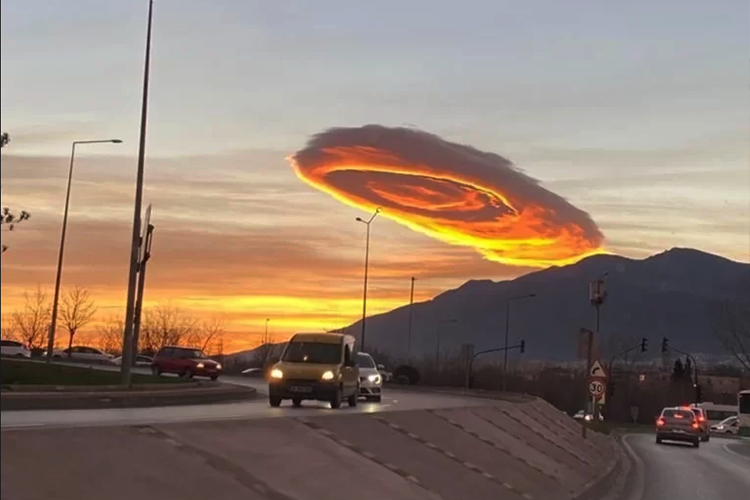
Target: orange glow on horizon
451	205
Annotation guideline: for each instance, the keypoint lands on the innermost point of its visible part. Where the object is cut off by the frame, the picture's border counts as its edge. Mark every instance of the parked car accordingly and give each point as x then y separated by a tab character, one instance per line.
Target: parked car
14	348
185	362
140	360
82	353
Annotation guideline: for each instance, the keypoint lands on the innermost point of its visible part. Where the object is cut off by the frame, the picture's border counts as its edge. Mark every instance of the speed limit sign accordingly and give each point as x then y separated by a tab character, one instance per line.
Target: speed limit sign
596	388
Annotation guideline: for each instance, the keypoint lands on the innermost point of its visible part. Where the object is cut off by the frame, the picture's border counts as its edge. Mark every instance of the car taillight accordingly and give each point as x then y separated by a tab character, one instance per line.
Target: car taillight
701	419
695	424
660	422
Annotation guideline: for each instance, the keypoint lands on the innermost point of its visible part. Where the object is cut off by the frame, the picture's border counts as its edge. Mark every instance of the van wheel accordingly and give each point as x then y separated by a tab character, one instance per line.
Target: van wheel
352	400
274	401
296	402
336	399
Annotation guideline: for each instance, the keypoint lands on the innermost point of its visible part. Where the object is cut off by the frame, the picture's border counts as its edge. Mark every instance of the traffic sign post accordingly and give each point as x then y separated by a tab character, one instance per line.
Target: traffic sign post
597	387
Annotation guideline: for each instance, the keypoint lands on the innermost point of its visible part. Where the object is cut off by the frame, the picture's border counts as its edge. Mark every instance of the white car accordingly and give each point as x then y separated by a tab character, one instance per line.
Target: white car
370	379
82	353
587	416
729	425
14	348
140	360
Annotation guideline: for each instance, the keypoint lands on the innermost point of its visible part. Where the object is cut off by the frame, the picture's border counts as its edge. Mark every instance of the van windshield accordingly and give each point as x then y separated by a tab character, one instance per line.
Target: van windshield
312	352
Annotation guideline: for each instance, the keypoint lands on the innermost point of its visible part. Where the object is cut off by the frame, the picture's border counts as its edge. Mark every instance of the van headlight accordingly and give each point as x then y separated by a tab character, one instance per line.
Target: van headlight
327	375
277	374
375	379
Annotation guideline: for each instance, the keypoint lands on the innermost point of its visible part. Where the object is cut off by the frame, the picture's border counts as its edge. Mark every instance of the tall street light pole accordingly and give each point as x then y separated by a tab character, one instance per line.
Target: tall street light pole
58	277
507	332
411	317
135	245
265	334
367	263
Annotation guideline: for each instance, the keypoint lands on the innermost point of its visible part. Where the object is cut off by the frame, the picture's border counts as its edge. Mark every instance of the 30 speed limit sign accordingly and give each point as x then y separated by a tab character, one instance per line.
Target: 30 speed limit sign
596	388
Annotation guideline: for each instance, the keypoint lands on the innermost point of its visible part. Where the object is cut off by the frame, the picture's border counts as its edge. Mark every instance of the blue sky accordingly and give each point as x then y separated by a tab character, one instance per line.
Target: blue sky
635	111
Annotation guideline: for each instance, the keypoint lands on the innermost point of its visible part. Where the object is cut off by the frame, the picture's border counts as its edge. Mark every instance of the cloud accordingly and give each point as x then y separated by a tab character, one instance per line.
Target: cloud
449	191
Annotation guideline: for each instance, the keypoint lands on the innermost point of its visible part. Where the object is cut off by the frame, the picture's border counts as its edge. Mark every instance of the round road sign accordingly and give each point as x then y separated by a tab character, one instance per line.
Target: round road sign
596	388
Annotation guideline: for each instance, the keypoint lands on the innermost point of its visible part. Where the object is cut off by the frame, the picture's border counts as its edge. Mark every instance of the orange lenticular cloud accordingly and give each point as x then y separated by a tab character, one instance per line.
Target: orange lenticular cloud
449	191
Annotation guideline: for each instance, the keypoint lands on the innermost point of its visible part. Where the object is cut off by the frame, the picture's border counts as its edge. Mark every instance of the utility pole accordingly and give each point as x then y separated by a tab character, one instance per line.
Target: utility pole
411	317
127	341
144	257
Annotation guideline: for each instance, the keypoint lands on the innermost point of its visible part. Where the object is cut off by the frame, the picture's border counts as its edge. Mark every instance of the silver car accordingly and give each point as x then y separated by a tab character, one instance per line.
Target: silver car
370	379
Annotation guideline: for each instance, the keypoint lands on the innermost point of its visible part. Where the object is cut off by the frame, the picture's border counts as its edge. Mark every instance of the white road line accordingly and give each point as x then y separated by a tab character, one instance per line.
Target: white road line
729	450
640	471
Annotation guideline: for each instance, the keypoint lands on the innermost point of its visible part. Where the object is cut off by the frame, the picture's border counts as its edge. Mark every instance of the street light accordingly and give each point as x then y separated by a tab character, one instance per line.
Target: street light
135	244
265	336
437	346
507	330
367	262
58	277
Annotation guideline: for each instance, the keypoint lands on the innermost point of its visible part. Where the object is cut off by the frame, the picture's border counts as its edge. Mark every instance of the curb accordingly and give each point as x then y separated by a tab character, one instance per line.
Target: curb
598	489
96	400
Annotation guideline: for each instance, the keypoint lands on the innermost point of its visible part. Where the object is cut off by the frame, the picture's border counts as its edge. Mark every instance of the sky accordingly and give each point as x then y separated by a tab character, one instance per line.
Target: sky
634	112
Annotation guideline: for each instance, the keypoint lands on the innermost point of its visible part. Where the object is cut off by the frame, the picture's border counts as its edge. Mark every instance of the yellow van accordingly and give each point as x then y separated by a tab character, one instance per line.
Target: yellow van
316	366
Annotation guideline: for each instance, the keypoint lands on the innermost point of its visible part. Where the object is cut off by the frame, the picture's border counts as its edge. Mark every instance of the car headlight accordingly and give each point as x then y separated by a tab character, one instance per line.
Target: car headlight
276	373
218	366
588	417
375	379
327	375
199	365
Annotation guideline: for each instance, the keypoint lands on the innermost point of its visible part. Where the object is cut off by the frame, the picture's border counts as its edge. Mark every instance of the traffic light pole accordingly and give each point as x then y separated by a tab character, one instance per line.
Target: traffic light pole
521	347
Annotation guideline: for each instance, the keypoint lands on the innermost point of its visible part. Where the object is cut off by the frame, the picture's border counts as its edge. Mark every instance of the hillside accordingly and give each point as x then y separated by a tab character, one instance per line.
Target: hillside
668	294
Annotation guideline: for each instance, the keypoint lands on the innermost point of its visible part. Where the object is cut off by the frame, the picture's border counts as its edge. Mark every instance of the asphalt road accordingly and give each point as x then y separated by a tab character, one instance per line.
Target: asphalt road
392	401
718	470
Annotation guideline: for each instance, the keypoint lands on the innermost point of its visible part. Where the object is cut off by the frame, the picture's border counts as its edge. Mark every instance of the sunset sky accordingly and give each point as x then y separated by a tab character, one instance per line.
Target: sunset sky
635	112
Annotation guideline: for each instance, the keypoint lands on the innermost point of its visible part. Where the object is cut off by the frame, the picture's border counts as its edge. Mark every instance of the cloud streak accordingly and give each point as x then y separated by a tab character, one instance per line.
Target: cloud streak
449	191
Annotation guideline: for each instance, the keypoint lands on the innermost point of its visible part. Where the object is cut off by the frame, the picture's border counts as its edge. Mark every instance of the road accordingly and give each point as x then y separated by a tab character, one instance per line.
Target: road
718	470
392	401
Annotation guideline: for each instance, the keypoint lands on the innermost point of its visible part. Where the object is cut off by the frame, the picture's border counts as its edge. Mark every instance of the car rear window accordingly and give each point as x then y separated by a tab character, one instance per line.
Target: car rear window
678	413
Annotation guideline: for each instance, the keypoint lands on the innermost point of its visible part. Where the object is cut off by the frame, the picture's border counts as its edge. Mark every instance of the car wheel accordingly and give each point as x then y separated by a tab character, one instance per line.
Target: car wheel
697	443
352	400
296	402
188	374
274	401
658	440
155	371
708	437
214	377
20	355
336	399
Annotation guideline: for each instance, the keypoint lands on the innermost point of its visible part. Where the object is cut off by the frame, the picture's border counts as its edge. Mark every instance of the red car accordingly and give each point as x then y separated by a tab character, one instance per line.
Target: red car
185	362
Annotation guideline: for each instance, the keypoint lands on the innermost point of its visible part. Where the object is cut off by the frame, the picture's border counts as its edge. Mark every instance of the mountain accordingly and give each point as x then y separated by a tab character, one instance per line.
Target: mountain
666	295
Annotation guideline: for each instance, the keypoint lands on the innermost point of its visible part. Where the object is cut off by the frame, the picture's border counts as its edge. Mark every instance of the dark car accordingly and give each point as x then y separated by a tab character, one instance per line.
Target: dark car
678	424
185	362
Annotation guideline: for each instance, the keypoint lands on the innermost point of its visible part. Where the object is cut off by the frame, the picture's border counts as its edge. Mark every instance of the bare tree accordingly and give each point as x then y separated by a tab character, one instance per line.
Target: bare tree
206	336
76	312
110	334
8	220
32	322
8	330
165	325
731	322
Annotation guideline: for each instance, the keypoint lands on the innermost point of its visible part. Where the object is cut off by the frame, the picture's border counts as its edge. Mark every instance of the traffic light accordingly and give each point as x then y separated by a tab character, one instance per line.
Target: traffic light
522	347
664	345
644	344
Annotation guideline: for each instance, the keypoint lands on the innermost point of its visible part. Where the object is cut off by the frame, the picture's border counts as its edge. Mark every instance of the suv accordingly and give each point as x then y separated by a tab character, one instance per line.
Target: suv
700	414
185	362
678	424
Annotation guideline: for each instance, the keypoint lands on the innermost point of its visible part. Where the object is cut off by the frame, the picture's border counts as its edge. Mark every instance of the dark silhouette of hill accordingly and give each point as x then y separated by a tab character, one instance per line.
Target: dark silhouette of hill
669	294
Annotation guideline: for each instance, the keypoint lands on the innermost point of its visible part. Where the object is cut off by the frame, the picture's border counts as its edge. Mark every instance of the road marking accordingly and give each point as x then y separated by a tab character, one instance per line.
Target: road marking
640	468
729	450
